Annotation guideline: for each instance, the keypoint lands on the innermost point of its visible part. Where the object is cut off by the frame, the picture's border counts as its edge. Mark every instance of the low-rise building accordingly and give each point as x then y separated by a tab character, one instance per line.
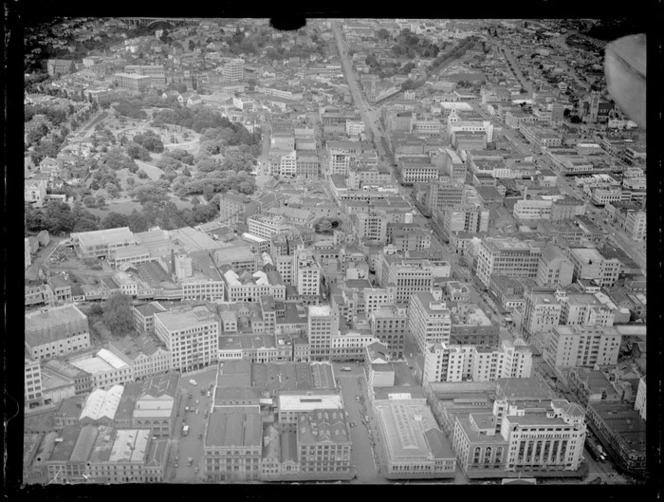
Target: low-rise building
233	444
324	444
416	448
56	331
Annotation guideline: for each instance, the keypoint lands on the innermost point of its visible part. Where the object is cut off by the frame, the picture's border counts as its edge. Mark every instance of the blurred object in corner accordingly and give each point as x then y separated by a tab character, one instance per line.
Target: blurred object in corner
625	67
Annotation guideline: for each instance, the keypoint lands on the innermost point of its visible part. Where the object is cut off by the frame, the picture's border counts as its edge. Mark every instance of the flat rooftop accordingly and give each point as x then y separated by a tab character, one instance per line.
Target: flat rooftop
177	320
306	401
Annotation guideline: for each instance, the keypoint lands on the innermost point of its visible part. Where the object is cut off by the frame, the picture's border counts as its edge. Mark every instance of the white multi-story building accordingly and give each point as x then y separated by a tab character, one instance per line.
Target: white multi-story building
554	439
429	320
233	70
571	346
246	287
308	276
456	363
506	256
32	381
532	209
354	127
267	226
323	324
106	368
521	437
191	336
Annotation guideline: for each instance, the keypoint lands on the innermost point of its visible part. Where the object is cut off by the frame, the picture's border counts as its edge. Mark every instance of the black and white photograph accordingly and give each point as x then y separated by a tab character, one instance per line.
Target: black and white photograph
364	251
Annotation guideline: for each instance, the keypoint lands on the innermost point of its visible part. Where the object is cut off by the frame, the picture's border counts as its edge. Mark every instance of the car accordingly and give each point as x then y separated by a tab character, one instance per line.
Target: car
193	382
197	411
176	465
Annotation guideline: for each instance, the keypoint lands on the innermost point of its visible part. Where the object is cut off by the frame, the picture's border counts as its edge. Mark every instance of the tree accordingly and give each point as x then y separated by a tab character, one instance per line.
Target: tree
168	162
383	34
152	191
117	314
112	190
58	217
142	174
100	200
191	45
136	151
89	201
137	222
115	220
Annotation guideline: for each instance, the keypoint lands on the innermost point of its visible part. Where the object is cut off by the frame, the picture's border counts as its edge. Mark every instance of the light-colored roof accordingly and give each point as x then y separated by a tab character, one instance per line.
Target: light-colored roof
176	320
102	361
102	404
309	400
319	310
405	423
130	446
104	237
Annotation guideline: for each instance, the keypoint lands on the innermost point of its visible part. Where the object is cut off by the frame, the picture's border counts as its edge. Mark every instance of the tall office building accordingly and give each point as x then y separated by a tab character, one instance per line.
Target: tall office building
233	70
507	256
409	276
554	268
191	336
429	320
323	324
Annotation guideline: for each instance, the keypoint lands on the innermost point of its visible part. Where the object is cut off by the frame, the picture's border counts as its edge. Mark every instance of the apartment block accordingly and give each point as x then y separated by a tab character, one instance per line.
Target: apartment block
572	346
476	363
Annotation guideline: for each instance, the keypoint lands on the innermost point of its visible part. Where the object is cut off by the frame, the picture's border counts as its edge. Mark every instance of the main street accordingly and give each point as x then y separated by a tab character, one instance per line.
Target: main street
369	116
356	402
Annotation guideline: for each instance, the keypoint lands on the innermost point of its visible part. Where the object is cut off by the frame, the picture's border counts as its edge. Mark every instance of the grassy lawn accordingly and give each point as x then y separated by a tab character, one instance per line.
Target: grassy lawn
126	207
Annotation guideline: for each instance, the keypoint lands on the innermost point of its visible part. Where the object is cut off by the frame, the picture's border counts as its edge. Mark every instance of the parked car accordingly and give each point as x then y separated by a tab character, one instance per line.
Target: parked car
193	382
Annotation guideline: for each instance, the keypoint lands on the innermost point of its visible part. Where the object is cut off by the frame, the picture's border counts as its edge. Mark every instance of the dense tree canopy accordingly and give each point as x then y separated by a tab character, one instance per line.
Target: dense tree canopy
117	314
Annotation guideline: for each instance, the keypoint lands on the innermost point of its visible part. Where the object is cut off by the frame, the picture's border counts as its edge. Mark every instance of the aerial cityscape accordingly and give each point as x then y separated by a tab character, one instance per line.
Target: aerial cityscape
366	251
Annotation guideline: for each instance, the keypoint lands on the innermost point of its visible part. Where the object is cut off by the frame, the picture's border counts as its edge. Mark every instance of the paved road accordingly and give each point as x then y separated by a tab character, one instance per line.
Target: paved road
191	445
369	117
362	452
